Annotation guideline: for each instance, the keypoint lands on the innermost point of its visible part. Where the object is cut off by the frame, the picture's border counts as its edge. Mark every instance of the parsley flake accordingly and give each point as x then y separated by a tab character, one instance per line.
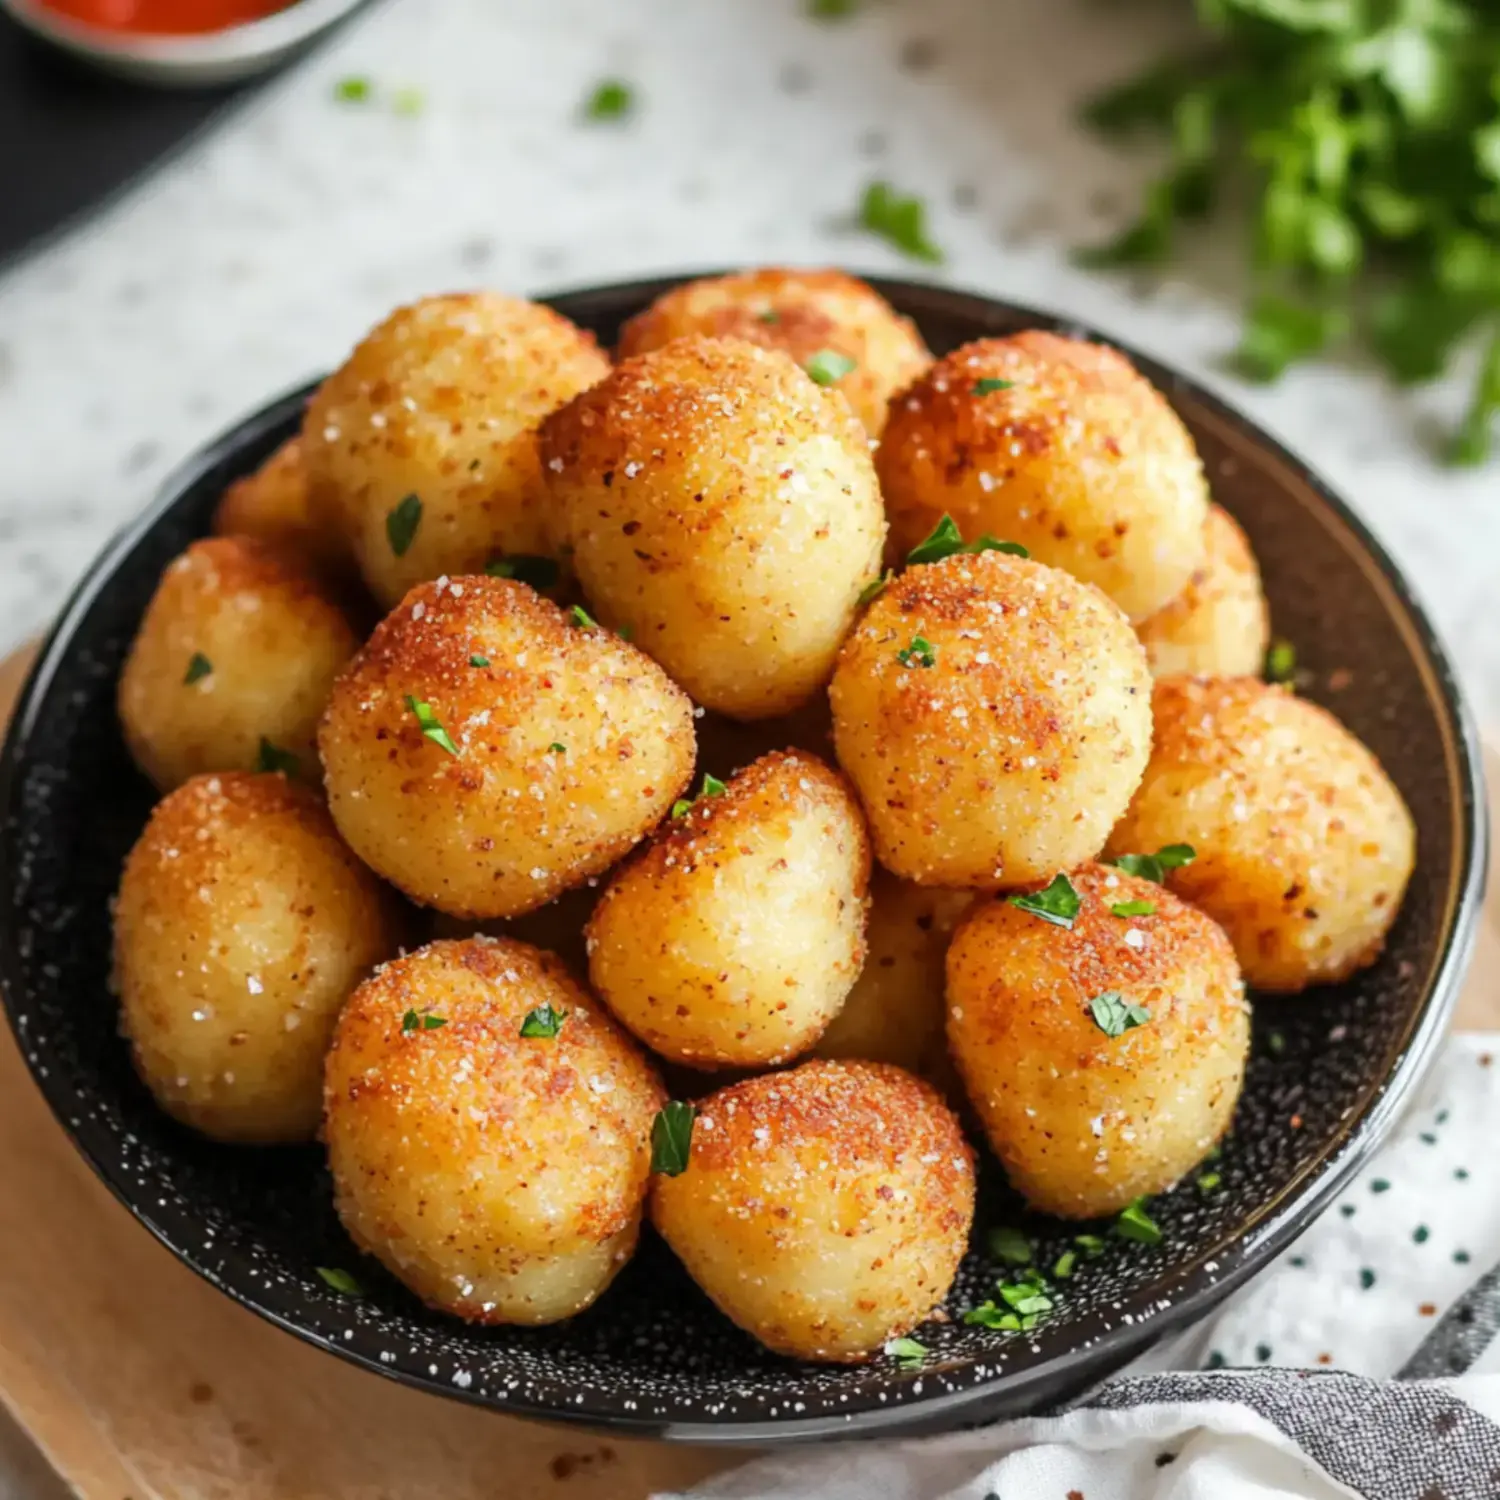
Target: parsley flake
1090	1245
1281	662
945	540
1011	1246
401	524
672	1138
990	384
582	618
1114	1015
1154	867
1208	1182
1059	903
539	572
430	727
1134	1223
769	316
1062	1268
828	366
544	1021
273	758
421	1021
1133	909
479	661
712	787
899	220
341	1281
907	1353
613	99
874	588
557	748
921	653
197	669
352	90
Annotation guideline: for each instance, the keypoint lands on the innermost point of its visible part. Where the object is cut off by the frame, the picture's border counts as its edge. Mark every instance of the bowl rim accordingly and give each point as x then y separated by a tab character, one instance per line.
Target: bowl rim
1206	1279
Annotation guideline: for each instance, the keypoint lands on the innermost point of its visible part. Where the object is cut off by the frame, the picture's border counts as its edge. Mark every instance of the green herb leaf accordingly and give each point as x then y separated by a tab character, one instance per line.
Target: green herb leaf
945	540
1134	1223
672	1138
1281	662
1090	1245
1208	1182
544	1021
1133	909
341	1281
1155	866
769	316
1058	903
353	90
582	618
1024	1298
427	720
401	524
921	653
1062	1267
197	668
828	366
1279	332
712	787
415	1020
1114	1015
273	758
874	588
900	220
990	384
613	99
539	572
907	1353
479	661
1011	1246
988	1315
557	748
1275	1043
1471	444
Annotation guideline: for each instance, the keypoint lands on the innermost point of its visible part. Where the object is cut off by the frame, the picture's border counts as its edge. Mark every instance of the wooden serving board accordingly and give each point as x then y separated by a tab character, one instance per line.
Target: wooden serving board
138	1381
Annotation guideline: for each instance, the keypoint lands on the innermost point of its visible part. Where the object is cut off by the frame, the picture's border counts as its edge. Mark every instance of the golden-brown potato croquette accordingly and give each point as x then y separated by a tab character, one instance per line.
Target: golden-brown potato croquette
824	1209
423	445
734	936
232	664
1059	445
1218	625
895	1011
274	505
994	715
488	1130
487	750
723	508
242	925
1103	1059
804	313
1303	844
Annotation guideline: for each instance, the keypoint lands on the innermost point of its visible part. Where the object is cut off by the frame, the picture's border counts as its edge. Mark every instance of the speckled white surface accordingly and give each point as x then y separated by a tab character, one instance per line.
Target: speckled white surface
256	259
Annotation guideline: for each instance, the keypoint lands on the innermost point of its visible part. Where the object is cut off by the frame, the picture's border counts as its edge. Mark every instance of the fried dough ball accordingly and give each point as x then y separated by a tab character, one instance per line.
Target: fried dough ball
824	1209
733	937
1303	844
1218	625
273	505
241	926
894	1013
723	507
485	752
804	313
232	664
1083	1121
1060	445
501	1177
994	715
423	445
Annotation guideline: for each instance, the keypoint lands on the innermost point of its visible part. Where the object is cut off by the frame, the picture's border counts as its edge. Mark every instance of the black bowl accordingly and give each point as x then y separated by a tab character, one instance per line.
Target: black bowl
1330	1070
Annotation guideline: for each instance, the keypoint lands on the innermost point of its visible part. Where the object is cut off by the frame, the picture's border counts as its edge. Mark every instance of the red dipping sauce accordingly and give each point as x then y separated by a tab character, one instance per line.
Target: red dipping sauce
165	17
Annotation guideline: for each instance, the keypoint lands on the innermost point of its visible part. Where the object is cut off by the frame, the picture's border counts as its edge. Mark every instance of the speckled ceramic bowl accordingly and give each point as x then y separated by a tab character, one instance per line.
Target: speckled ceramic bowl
653	1355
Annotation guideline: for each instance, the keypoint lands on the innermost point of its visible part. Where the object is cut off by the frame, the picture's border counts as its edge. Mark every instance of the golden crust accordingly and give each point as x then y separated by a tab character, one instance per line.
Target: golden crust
824	1209
732	938
274	505
802	313
501	1177
509	822
1304	846
1076	455
1014	752
1084	1122
723	507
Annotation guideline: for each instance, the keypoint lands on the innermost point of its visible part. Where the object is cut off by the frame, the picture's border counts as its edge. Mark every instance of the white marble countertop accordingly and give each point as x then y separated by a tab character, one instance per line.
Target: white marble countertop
256	259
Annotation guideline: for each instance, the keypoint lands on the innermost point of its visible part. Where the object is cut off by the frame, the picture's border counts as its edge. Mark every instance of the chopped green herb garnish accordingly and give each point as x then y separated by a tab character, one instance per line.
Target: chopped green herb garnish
921	653
1155	866
769	316
989	385
1134	1223
197	668
1133	909
874	588
544	1021
828	366
988	1315
341	1281
1025	1297
479	661
945	540
1062	1267
557	748
582	618
611	100
401	524
353	90
712	787
1472	442
415	1020
1011	1246
1114	1015
899	220
1208	1182
672	1137
1059	903
1275	1043
1090	1244
1281	662
428	722
539	572
907	1353
273	758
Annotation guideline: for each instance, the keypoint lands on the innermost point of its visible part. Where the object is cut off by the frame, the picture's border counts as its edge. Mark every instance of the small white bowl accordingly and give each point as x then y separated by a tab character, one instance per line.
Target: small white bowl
185	61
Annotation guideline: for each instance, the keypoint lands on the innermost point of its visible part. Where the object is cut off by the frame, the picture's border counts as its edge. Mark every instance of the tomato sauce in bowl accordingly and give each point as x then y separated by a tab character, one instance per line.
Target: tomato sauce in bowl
165	17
